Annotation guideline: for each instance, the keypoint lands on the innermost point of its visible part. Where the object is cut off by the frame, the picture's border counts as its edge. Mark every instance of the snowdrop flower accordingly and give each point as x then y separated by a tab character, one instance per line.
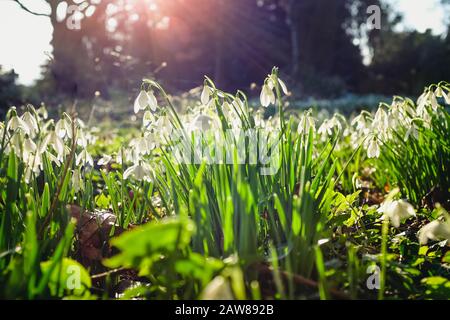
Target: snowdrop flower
203	122
164	126
267	95
84	158
82	140
373	149
64	126
381	120
446	96
433	101
440	93
55	141
16	123
422	100
103	161
42	112
30	121
206	94
328	125
125	155
325	128
435	230
397	211
16	142
142	145
427	98
29	148
140	171
77	181
237	104
361	122
145	99
412	132
148	119
306	123
34	167
52	158
401	114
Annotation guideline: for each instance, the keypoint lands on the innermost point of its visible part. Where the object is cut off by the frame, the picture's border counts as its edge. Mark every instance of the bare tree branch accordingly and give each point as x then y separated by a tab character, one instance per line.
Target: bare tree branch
30	11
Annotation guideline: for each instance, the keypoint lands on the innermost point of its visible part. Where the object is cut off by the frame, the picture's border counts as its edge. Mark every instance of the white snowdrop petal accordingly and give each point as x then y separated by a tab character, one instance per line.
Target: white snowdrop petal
152	101
283	86
205	95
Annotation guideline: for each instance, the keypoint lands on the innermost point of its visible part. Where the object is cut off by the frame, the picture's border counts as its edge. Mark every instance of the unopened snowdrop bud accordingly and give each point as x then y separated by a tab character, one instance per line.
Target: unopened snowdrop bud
397	211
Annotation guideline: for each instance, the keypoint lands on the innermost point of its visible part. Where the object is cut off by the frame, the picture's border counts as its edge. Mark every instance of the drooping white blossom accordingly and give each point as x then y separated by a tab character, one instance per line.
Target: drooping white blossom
435	230
77	181
103	161
140	171
397	211
145	99
205	96
84	158
267	96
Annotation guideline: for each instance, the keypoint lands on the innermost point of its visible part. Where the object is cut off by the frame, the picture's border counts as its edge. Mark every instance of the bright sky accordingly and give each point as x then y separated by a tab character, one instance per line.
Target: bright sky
25	39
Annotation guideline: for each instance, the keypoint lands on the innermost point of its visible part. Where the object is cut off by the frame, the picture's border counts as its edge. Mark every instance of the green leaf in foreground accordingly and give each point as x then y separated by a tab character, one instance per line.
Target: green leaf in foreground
143	245
69	277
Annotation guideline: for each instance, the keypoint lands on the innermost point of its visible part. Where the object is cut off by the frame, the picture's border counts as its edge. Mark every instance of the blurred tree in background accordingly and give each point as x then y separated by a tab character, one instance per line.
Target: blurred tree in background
10	92
317	43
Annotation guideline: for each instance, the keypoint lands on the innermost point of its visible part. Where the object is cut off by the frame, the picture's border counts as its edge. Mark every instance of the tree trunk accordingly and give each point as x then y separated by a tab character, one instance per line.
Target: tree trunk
293	16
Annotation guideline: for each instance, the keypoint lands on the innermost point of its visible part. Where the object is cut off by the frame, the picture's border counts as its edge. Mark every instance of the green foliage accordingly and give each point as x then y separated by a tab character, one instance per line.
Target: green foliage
308	222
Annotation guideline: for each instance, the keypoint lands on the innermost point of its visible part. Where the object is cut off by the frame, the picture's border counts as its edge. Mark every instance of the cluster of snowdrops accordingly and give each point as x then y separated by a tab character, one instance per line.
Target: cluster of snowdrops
49	163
